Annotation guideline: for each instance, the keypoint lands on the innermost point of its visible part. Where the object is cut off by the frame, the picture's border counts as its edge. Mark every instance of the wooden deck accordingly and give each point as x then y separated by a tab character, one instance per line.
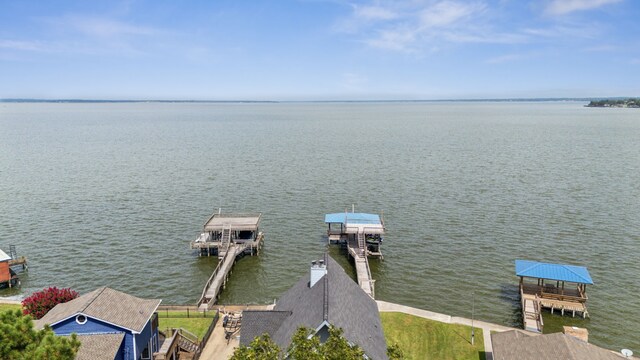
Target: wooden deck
552	298
531	313
362	268
227	255
218	278
217	247
534	298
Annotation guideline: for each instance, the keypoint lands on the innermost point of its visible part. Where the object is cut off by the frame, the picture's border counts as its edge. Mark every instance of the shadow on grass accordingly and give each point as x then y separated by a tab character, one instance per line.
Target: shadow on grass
482	355
464	336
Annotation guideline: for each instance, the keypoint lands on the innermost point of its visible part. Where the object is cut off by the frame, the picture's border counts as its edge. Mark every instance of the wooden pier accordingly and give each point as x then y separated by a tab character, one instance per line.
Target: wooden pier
10	265
362	268
218	279
553	294
229	236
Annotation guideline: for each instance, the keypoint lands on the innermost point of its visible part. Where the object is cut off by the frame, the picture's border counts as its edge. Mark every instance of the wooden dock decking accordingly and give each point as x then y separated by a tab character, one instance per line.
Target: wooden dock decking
218	278
534	299
531	313
362	267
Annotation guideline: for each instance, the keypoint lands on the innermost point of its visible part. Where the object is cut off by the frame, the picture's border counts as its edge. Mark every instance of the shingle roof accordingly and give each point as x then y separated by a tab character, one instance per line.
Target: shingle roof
108	305
518	345
337	299
571	273
99	346
257	322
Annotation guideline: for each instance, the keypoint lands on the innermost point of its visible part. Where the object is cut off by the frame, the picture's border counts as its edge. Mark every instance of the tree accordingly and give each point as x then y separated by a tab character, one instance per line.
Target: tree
20	341
40	302
338	348
305	345
394	352
261	348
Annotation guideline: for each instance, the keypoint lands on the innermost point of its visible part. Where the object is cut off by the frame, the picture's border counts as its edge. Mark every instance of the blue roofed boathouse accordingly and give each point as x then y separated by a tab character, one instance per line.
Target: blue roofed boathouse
346	227
556	287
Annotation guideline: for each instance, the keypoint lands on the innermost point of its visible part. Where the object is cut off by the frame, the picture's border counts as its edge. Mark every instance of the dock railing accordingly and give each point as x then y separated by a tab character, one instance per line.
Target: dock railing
371	281
208	283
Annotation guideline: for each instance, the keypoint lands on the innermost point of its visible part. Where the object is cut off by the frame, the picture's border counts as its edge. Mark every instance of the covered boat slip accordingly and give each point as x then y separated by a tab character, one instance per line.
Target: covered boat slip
362	233
365	229
221	230
552	286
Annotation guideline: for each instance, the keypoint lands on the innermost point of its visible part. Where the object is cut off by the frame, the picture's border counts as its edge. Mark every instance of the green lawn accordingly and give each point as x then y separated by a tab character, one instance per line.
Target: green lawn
426	339
197	325
4	307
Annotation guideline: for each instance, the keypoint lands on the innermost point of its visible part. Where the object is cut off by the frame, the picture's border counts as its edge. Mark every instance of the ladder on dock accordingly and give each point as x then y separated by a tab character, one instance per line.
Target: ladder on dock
362	244
12	252
225	242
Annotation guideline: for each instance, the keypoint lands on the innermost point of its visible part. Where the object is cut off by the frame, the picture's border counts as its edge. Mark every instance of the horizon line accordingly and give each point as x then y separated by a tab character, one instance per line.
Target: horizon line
73	100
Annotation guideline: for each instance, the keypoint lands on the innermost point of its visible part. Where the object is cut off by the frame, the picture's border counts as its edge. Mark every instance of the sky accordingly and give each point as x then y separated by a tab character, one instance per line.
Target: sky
319	50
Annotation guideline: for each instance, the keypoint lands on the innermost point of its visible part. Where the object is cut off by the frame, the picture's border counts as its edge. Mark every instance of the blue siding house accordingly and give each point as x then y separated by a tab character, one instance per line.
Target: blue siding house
110	325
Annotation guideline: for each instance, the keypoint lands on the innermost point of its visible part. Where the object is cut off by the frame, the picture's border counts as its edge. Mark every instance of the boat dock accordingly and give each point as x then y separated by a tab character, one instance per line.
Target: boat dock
229	236
362	234
553	295
362	268
10	265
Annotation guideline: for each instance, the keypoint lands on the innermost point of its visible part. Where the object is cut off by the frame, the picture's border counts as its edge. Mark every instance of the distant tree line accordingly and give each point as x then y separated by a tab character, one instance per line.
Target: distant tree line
629	103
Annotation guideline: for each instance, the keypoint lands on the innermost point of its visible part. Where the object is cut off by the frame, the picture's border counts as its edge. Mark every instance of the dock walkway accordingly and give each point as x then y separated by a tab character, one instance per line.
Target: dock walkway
218	278
531	312
362	267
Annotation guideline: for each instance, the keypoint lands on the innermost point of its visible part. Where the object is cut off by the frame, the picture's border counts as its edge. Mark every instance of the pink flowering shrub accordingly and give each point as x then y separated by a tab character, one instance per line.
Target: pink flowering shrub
40	302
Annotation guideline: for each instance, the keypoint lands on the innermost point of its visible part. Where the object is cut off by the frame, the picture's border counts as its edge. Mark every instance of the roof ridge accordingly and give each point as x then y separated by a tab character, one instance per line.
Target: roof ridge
532	266
325	313
99	292
568	267
570	348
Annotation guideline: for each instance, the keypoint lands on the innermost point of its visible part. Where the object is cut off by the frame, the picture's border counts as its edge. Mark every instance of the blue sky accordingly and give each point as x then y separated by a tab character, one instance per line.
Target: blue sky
312	49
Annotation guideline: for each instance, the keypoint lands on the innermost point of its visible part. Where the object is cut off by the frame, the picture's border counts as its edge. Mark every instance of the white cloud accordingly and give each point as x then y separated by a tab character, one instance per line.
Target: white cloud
419	26
373	13
562	7
447	13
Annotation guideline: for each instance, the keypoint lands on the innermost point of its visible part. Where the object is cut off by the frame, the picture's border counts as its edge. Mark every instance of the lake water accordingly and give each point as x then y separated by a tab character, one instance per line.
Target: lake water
111	194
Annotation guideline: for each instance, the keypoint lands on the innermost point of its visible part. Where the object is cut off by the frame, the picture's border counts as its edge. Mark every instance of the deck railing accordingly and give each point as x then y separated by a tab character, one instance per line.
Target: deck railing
208	283
553	293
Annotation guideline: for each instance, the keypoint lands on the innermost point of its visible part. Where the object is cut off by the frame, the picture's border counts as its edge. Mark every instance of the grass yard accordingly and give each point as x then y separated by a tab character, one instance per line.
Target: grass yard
421	338
197	325
4	307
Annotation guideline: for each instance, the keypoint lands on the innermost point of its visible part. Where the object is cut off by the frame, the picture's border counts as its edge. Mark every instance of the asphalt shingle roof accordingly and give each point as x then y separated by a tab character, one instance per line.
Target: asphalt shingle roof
518	345
99	346
337	299
257	322
105	304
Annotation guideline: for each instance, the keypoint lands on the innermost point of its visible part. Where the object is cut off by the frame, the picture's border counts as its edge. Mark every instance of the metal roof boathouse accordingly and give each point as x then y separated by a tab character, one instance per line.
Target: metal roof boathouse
556	287
362	233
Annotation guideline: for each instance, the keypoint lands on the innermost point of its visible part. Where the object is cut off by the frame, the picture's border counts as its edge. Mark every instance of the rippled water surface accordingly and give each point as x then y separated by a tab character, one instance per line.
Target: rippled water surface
111	194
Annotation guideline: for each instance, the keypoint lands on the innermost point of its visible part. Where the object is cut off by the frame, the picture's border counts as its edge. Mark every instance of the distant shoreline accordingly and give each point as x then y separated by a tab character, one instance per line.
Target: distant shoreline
91	101
617	103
